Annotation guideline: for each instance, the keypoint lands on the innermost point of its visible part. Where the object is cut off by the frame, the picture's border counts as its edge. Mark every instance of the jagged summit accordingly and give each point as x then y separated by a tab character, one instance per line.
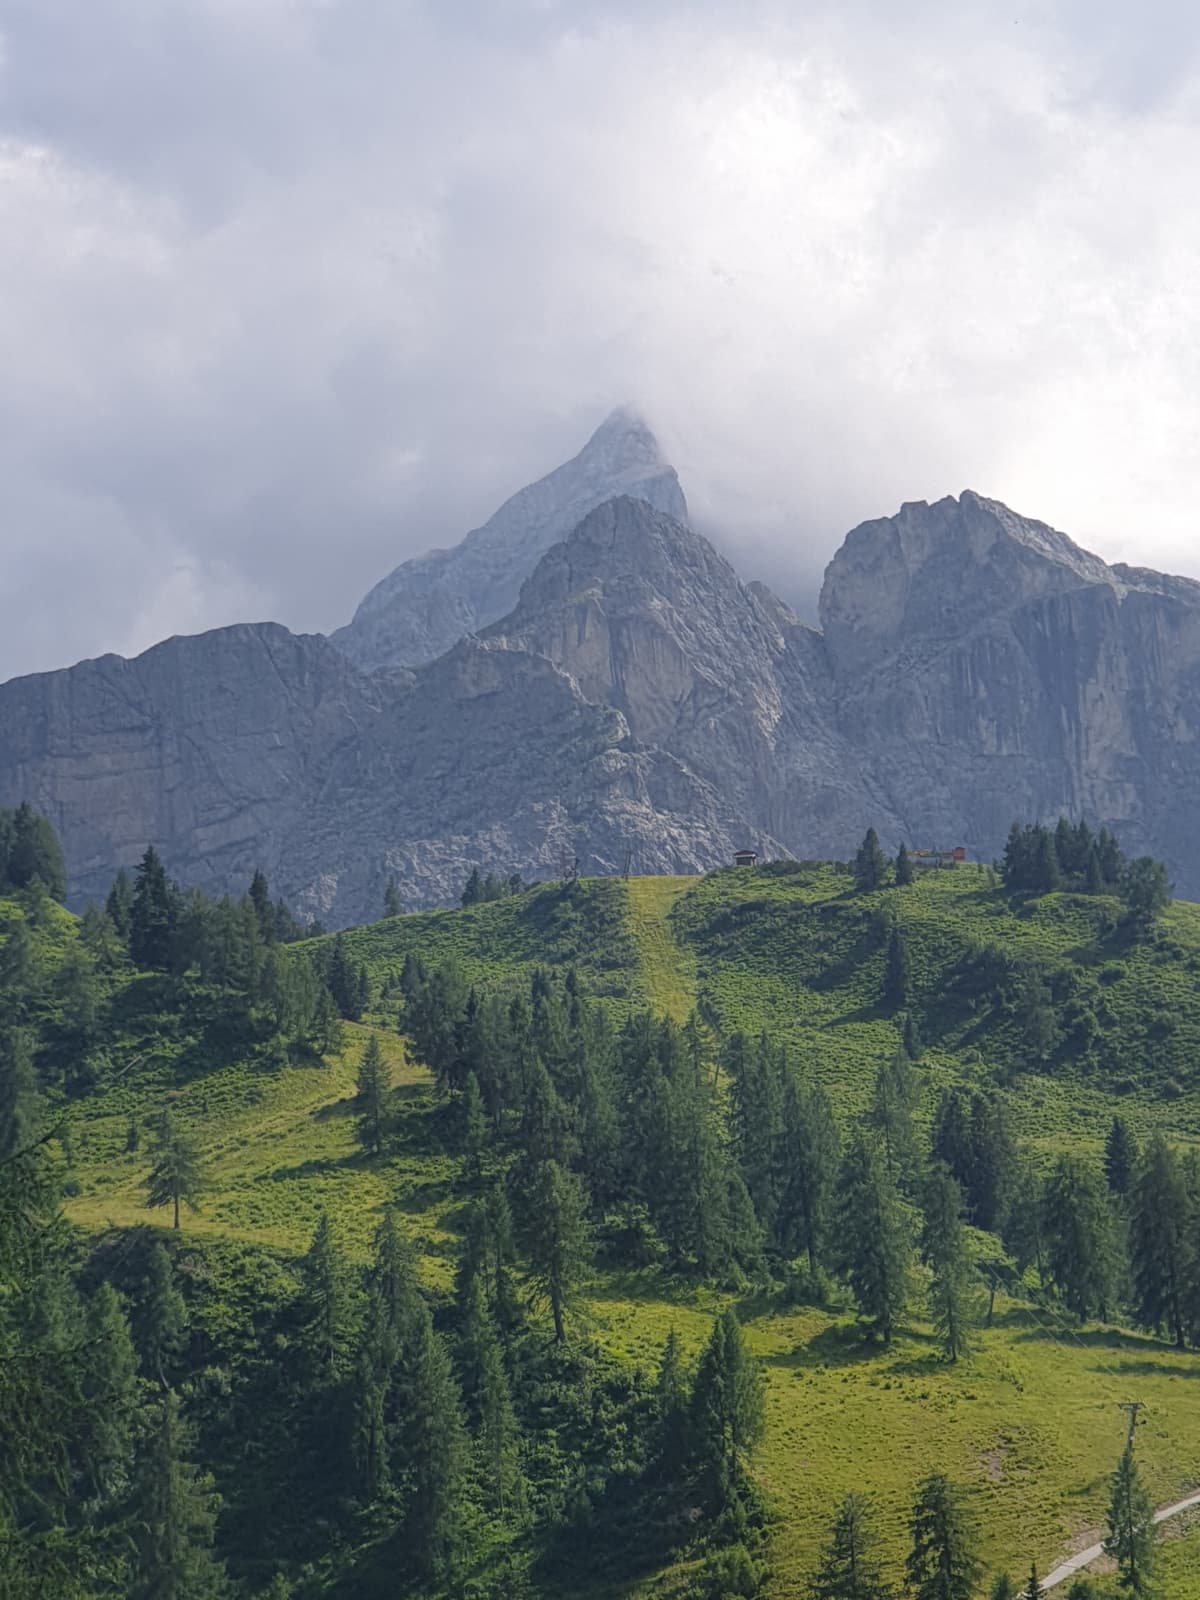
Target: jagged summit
425	605
932	571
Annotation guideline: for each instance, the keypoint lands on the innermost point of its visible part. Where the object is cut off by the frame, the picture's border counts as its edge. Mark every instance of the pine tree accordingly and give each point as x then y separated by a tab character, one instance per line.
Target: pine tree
726	1408
35	854
393	906
374	1091
473	889
162	1317
1003	1588
850	1568
344	982
1033	1589
177	1174
109	1400
394	1275
941	1564
176	1515
874	1241
370	1444
1120	1156
904	868
953	1298
558	1243
1130	1539
153	915
896	978
1160	1247
870	864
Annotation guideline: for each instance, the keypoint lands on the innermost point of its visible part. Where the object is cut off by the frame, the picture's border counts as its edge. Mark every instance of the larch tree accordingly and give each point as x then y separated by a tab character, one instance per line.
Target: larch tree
1130	1540
177	1174
849	1568
953	1296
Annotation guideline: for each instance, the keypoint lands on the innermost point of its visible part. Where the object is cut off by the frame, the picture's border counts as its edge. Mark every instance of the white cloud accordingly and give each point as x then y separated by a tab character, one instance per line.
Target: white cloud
290	290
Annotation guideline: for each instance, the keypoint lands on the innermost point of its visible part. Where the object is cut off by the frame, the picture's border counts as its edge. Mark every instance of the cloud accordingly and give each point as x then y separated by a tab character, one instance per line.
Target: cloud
291	289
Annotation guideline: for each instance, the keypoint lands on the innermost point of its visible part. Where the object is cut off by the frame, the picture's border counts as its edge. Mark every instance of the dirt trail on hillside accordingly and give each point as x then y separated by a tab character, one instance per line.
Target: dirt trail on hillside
1076	1564
668	972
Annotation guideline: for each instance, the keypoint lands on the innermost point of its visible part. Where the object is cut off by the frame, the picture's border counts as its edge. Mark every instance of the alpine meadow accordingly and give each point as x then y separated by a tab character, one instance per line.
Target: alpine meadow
798	1229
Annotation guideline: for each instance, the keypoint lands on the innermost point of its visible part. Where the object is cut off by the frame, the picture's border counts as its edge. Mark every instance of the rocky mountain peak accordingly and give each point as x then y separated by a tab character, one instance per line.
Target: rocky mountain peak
418	611
932	571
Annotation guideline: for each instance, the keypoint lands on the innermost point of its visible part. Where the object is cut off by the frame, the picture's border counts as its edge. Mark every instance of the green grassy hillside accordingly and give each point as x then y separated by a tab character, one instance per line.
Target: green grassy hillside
1030	1425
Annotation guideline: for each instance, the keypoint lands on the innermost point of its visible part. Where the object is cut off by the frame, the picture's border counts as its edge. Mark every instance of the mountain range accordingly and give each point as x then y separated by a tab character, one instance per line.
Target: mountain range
586	678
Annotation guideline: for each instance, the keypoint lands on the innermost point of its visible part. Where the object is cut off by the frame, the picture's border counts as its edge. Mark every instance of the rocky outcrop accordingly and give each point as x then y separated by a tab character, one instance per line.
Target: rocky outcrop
422	608
639	702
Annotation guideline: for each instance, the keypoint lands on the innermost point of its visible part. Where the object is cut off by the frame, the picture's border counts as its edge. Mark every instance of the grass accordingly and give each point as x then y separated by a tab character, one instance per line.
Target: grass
1030	1425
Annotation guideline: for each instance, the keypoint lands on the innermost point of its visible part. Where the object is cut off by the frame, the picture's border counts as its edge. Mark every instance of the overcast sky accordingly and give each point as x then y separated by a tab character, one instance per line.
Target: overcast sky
291	289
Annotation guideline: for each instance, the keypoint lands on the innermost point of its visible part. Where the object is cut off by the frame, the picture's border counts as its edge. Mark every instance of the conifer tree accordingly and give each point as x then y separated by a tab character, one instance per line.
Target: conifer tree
109	1400
850	1568
435	1453
1159	1239
162	1317
474	1123
119	906
726	1408
953	1299
490	1411
344	982
176	1513
370	1445
393	906
941	1564
1078	1229
558	1243
374	1090
870	864
810	1164
1120	1156
394	1274
1033	1589
893	1102
35	854
264	911
1003	1588
904	868
874	1240
1130	1540
473	889
20	1102
153	914
326	1303
896	977
672	1423
177	1173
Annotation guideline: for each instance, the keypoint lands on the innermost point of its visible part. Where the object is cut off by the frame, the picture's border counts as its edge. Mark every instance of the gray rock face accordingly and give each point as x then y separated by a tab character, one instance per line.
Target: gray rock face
638	700
422	608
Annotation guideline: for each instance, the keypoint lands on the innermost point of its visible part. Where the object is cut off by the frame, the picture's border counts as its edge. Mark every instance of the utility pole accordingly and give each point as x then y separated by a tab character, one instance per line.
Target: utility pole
1133	1407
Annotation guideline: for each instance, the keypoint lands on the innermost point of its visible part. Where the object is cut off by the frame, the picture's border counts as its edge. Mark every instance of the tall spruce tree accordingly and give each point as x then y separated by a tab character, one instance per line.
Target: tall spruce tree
874	1239
176	1513
490	1413
557	1240
162	1320
373	1099
1033	1589
953	1298
1160	1245
119	906
726	1409
325	1304
850	1567
897	974
1077	1227
672	1423
21	1110
870	864
810	1164
177	1173
941	1564
1120	1156
435	1454
1130	1540
153	914
904	868
893	1101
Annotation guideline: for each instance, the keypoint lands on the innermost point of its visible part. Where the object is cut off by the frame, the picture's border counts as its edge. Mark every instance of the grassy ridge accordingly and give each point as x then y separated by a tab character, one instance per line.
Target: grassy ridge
1030	1425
